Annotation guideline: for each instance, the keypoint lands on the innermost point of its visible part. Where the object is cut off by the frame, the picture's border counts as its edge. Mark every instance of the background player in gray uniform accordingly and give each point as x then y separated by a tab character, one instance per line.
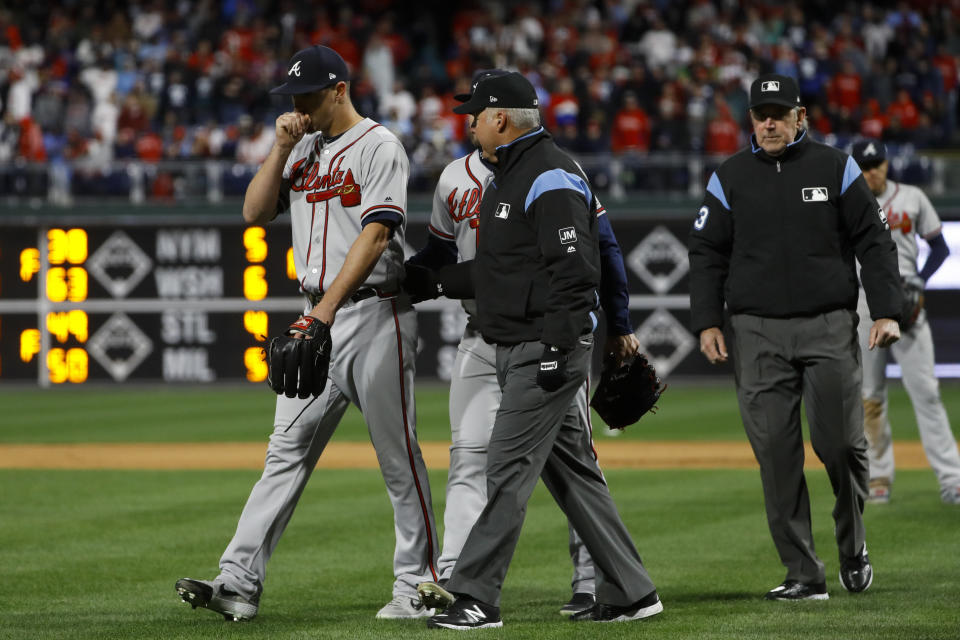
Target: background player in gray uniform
343	178
909	214
474	391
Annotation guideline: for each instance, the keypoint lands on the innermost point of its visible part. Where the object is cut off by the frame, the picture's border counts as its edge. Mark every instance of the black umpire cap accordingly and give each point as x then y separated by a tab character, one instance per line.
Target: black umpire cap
773	88
312	69
479	75
869	153
510	90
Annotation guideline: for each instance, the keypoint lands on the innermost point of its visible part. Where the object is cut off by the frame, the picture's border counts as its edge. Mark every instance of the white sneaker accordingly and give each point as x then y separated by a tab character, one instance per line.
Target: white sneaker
951	495
403	607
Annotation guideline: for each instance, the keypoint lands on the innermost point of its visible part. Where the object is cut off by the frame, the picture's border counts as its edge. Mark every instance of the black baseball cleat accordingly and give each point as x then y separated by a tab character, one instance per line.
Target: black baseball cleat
214	596
646	607
856	574
466	613
793	590
579	602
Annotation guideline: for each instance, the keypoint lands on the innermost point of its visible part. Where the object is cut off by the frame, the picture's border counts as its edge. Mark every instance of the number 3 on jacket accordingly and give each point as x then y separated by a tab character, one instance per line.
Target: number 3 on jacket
701	220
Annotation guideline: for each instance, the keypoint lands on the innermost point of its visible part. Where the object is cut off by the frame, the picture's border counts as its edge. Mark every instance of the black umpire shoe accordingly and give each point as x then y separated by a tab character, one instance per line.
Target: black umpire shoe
796	590
646	607
579	602
856	574
466	613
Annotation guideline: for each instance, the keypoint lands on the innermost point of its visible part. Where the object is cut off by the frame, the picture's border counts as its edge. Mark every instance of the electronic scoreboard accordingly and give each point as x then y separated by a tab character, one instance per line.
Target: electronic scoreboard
172	302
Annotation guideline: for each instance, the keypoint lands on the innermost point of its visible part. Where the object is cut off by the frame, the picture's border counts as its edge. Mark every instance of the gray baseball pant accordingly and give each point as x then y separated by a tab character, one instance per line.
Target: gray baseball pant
541	434
776	362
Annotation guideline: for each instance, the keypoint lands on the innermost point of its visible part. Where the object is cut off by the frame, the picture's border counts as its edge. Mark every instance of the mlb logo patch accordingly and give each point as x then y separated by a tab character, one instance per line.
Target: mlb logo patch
568	235
815	194
770	85
503	210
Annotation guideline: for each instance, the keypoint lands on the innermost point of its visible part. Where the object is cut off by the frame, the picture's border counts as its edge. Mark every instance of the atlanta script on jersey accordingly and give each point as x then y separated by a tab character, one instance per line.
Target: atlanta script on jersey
338	186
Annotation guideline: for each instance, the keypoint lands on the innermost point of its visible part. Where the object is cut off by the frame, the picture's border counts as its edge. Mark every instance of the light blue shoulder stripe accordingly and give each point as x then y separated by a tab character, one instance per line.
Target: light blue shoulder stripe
714	188
850	174
557	179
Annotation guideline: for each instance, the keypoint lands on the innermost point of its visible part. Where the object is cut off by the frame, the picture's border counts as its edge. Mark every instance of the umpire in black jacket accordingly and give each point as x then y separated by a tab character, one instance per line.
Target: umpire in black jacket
535	279
776	239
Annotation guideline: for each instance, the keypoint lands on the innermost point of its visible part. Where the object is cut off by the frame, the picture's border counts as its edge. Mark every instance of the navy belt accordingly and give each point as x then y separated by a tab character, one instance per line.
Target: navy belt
360	294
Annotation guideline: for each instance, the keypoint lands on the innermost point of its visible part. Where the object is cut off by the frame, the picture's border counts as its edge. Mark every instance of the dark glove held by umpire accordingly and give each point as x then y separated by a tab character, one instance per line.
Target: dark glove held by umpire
421	283
297	367
627	392
552	372
912	303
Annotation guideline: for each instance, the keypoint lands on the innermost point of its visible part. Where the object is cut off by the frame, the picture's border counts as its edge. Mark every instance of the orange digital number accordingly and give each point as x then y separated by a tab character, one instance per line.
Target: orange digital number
29	263
254	243
57	284
254	283
29	344
255	322
291	267
255	361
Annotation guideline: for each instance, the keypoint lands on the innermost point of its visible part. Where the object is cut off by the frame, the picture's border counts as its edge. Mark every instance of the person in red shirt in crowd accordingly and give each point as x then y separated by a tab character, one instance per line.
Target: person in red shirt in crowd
845	88
30	146
723	132
564	105
904	110
873	122
149	147
631	126
202	59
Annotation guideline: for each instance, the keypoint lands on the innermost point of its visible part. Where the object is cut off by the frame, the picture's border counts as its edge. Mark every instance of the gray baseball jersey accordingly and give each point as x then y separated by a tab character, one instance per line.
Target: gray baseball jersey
365	165
335	188
474	390
909	214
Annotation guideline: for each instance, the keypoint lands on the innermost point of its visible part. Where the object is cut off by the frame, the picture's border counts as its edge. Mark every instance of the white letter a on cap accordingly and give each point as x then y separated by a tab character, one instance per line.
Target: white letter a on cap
295	69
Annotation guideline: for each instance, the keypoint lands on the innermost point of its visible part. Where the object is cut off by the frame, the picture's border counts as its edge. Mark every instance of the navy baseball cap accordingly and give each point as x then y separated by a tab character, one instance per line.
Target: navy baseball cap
477	77
869	153
773	88
509	91
312	69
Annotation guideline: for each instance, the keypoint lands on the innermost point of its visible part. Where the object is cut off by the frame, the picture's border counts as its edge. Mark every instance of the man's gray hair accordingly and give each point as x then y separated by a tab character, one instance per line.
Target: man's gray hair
523	119
801	122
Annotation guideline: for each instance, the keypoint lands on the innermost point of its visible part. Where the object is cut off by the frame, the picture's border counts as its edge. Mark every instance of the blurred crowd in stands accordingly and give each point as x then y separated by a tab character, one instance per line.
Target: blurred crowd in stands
91	82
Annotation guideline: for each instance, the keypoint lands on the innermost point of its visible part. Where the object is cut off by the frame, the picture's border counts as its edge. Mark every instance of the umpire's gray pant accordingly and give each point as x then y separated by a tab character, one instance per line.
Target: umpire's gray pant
541	434
778	361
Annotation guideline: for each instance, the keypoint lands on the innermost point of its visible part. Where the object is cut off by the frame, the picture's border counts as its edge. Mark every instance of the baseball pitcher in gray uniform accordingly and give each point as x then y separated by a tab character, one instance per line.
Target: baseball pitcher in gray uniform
909	214
343	178
474	391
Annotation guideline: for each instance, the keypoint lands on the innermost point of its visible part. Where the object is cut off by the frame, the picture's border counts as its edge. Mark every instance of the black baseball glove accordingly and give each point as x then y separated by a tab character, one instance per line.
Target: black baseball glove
627	392
912	304
297	367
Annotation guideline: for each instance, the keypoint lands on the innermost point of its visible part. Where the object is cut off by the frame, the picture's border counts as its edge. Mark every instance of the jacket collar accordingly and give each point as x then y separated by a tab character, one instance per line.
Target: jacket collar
508	154
795	147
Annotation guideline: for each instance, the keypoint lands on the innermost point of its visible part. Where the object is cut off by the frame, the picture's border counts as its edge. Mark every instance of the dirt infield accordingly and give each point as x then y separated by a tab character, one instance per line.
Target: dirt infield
614	454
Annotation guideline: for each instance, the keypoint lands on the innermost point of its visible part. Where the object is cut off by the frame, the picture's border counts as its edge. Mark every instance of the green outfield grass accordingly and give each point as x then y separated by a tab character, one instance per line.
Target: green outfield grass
96	554
245	413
